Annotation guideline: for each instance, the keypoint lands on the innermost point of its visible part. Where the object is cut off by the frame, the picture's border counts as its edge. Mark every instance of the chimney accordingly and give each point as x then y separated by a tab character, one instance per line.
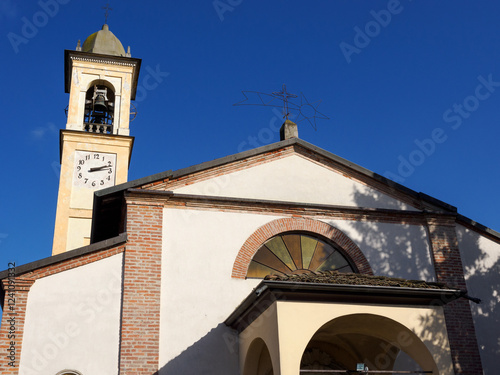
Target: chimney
288	130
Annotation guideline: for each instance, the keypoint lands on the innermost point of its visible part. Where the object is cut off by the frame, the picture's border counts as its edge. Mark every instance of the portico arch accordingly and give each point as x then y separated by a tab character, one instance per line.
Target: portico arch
365	338
258	359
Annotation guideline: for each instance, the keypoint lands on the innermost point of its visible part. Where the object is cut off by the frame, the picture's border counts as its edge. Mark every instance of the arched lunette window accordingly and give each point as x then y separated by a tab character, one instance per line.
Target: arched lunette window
295	253
68	372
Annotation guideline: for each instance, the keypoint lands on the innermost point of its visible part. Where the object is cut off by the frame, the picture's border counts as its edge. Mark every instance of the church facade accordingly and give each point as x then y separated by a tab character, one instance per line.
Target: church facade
285	259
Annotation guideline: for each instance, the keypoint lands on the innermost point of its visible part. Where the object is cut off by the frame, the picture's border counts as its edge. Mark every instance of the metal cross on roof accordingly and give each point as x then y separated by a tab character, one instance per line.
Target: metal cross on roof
284	95
304	110
107	8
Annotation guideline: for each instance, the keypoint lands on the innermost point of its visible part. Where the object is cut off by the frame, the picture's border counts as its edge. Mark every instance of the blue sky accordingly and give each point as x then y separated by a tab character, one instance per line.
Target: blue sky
412	90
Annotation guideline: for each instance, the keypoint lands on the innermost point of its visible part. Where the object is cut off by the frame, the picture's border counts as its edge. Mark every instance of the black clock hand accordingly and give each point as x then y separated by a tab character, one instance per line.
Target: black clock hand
99	168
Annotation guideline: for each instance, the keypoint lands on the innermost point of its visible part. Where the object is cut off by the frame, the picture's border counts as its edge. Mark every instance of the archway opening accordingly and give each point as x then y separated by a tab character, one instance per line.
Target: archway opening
380	343
258	360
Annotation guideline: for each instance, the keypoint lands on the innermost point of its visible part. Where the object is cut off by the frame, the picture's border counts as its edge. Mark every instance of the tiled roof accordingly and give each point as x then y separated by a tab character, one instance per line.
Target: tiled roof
339	278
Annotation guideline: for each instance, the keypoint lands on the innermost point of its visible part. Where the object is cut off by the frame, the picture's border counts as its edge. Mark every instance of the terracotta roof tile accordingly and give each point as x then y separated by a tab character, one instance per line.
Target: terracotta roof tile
339	278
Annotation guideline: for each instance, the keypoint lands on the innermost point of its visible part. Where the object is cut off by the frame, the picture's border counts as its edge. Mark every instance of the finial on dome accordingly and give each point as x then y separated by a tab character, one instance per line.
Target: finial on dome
79	46
107	9
103	42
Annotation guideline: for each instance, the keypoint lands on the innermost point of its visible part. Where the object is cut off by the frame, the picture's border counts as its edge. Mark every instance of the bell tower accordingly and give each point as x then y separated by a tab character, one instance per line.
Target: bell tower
95	148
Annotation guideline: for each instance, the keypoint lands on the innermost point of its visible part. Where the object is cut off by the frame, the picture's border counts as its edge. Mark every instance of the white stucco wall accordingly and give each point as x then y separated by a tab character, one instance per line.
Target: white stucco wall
294	179
72	321
198	293
394	250
481	262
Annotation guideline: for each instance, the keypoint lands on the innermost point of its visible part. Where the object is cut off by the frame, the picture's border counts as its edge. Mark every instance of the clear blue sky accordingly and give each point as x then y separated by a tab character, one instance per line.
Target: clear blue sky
412	89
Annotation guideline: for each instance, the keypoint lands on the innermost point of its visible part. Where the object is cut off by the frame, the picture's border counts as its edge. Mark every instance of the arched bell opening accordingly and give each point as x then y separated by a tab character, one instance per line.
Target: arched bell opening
99	108
258	359
382	344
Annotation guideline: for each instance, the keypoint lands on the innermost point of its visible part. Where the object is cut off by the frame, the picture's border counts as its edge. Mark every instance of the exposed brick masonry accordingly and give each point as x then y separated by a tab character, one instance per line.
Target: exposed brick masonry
140	326
449	270
21	289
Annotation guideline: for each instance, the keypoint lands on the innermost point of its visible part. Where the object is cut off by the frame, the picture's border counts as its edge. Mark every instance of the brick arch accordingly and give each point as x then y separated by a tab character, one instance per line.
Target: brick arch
261	235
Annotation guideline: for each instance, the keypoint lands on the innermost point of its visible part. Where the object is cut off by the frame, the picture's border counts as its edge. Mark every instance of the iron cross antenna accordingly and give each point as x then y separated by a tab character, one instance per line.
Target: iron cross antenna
284	96
107	9
284	100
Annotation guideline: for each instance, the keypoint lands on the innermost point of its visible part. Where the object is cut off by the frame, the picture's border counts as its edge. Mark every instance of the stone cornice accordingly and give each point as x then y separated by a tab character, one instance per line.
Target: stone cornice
103	60
201	202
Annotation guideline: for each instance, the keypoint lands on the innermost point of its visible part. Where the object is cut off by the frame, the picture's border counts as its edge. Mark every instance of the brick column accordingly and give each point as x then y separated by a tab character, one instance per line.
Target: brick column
140	325
12	329
449	270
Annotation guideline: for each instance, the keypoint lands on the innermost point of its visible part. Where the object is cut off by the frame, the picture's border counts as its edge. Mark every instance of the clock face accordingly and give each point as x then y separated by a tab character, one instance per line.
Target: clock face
94	170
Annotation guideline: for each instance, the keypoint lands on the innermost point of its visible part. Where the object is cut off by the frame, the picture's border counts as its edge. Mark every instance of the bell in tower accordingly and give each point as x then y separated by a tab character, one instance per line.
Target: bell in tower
99	110
101	79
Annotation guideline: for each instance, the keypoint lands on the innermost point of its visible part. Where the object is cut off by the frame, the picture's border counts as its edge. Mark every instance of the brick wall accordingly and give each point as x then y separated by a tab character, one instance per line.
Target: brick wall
13	318
139	349
254	242
449	270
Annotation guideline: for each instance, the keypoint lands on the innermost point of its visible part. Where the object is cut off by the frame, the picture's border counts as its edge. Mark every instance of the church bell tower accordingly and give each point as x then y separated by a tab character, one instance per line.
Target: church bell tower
95	148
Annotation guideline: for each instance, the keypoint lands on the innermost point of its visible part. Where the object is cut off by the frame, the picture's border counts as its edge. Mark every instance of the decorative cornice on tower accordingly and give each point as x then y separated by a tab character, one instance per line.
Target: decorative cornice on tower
88	57
105	61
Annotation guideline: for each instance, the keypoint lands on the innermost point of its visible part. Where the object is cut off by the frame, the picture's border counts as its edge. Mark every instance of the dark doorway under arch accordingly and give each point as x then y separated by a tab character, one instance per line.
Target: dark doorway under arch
379	342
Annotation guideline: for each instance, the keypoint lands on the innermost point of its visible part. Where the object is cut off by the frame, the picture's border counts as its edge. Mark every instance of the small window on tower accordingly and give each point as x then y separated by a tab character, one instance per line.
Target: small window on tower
99	109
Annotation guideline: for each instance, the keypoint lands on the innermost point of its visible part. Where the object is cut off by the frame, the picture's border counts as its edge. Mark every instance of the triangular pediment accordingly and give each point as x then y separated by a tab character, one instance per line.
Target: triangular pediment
289	171
292	178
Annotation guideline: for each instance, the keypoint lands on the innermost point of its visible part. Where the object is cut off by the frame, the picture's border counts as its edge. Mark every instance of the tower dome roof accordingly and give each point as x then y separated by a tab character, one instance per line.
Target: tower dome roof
104	42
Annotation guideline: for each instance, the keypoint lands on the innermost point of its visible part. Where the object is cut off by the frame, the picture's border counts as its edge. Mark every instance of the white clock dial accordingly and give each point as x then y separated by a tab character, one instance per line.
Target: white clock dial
94	170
